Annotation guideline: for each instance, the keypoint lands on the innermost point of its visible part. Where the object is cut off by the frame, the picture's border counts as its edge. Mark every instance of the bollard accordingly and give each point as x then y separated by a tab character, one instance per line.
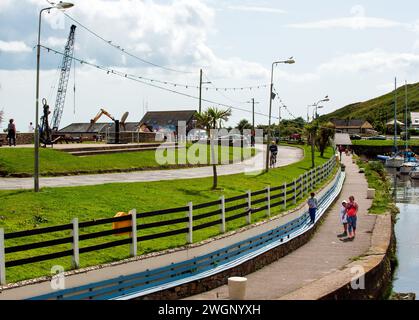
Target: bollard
237	288
370	193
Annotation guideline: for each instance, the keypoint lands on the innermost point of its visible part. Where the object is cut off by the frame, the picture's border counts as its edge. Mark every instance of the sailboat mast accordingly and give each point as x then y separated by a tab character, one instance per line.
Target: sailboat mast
406	135
395	115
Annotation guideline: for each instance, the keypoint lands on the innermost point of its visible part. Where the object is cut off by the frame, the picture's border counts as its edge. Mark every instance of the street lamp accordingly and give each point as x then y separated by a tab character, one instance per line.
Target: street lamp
316	106
61	6
271	97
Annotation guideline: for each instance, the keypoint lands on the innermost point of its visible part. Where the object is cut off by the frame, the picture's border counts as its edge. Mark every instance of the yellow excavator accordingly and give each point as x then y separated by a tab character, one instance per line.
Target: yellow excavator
97	117
117	122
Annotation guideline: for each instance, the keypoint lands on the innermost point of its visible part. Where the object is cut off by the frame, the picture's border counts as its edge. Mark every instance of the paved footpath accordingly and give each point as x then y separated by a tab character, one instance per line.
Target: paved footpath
286	156
322	255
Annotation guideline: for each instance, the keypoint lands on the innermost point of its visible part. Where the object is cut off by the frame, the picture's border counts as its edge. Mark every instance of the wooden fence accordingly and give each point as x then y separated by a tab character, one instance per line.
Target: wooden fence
224	210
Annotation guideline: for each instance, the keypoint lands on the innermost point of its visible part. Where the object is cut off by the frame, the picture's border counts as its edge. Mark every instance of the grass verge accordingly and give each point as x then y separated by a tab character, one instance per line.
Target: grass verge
24	209
378	180
20	161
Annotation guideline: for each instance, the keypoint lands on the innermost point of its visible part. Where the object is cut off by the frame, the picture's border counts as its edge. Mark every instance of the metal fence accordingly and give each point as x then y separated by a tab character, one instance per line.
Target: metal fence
75	238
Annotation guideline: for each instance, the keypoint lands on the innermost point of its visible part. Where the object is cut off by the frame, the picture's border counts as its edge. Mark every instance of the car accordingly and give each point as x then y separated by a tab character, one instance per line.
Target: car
355	137
235	138
377	138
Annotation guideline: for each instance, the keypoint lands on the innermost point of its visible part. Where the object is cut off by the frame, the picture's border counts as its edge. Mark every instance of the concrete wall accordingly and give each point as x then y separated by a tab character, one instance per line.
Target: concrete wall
377	264
21	138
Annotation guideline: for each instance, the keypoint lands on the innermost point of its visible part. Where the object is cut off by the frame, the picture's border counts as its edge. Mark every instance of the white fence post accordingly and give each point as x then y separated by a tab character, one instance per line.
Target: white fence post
2	259
302	187
133	250
285	195
249	207
223	215
268	199
75	261
295	191
190	223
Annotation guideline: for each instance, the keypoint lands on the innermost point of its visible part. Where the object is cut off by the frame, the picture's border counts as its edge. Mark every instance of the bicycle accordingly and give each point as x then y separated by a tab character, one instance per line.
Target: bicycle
273	159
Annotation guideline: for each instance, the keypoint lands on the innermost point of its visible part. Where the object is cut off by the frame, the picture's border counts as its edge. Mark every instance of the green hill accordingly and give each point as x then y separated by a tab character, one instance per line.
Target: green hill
379	110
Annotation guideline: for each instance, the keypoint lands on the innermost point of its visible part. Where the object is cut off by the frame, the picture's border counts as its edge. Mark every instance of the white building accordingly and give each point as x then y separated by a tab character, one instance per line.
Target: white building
415	119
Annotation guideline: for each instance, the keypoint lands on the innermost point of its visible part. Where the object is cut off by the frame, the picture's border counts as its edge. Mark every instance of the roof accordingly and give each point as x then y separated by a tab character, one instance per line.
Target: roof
164	118
391	123
97	127
342	139
351	123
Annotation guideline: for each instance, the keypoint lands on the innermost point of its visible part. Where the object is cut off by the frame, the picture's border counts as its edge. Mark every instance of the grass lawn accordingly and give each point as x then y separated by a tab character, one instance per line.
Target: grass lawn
21	210
20	161
381	143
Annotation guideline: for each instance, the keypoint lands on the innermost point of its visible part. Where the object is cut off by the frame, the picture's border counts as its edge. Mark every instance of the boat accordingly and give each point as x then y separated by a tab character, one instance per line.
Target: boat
408	167
394	162
414	174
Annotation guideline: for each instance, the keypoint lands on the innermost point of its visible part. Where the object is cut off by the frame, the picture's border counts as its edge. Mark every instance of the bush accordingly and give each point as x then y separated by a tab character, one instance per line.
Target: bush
376	166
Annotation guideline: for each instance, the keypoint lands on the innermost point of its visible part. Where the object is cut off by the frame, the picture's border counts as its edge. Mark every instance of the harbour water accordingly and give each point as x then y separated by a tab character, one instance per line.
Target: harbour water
406	195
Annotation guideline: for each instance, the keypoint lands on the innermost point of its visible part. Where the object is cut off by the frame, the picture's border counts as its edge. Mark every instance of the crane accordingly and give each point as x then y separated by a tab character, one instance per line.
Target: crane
96	118
64	77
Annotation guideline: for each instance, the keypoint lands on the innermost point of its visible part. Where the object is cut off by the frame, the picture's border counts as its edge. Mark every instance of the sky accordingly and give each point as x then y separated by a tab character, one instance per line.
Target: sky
348	50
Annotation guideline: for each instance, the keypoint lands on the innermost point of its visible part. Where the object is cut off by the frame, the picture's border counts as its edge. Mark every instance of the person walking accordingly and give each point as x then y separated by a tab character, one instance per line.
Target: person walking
312	207
11	133
343	219
351	212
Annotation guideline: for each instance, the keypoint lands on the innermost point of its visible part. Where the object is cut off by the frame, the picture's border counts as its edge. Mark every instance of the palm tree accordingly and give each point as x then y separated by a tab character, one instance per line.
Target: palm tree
325	134
243	124
208	120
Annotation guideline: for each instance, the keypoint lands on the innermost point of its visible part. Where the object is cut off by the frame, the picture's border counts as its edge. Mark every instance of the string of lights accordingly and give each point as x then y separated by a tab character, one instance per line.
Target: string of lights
186	86
141	80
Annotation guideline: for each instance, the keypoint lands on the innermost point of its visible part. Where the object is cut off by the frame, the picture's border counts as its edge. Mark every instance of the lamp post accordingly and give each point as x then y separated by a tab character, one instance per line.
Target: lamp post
271	97
316	106
62	6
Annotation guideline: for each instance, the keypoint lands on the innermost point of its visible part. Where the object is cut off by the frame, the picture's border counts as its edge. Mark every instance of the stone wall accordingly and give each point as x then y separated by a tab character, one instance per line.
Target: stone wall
21	138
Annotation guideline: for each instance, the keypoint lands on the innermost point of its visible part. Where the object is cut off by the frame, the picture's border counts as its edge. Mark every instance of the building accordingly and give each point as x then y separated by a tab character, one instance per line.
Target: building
352	126
414	116
168	121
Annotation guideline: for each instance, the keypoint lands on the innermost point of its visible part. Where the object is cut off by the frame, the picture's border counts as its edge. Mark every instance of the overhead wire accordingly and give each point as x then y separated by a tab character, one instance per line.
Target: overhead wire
140	80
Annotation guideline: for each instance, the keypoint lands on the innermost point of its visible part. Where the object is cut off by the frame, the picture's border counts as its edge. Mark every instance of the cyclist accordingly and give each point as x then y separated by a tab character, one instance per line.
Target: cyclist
273	148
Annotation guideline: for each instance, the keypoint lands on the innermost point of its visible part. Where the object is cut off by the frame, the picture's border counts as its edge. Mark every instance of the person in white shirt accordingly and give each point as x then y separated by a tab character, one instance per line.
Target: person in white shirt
343	219
30	128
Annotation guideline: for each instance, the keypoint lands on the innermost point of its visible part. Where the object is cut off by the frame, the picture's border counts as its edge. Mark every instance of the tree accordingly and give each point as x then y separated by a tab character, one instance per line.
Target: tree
325	134
208	120
243	124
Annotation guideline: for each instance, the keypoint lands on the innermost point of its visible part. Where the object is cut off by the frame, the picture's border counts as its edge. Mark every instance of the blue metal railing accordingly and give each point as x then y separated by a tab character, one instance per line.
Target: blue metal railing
149	281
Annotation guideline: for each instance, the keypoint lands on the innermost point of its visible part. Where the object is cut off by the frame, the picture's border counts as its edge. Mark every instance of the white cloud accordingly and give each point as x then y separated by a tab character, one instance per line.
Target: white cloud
4	4
371	61
14	46
358	21
257	9
55	42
